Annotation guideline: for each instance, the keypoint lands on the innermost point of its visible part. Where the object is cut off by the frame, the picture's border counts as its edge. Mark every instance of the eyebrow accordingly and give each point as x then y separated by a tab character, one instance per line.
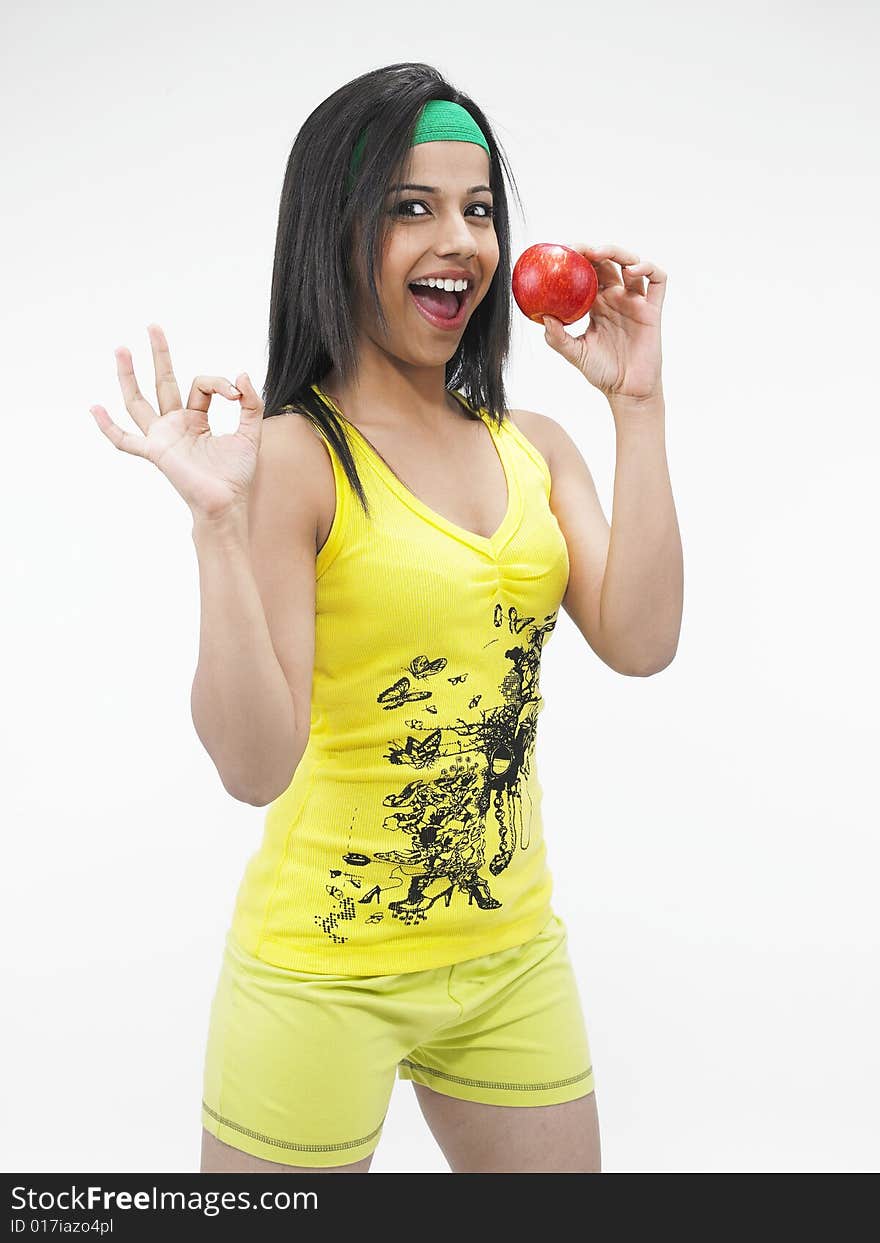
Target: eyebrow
409	185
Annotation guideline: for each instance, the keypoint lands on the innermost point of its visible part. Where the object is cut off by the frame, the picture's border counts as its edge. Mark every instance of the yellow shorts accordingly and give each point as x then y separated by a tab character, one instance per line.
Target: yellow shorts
299	1068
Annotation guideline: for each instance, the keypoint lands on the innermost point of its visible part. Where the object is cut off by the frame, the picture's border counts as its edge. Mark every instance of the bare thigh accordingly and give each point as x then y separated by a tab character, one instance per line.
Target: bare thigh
220	1158
513	1139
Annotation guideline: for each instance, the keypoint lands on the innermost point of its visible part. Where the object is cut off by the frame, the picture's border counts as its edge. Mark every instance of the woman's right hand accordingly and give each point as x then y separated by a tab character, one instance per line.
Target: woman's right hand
212	473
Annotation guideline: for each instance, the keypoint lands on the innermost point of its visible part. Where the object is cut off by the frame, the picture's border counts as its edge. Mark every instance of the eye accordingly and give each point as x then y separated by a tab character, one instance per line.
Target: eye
487	211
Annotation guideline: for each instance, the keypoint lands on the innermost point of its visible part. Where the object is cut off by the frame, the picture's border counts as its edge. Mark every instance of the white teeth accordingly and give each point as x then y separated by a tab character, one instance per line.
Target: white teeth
449	285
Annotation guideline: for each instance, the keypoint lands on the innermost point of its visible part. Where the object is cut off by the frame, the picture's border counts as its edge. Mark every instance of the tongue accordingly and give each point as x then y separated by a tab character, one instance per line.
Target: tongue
438	301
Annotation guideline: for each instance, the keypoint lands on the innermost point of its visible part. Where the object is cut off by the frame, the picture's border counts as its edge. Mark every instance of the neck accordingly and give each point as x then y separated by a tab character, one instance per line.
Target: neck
388	392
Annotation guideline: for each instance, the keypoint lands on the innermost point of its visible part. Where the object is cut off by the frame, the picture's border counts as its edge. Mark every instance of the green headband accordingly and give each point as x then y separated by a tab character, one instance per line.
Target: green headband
440	120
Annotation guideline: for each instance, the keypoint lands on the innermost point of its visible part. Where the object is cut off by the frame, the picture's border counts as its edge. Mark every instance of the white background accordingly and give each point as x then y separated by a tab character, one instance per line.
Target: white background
713	829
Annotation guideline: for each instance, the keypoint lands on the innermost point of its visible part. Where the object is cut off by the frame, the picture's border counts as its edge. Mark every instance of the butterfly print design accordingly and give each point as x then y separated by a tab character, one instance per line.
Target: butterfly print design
442	820
517	624
418	753
421	667
399	694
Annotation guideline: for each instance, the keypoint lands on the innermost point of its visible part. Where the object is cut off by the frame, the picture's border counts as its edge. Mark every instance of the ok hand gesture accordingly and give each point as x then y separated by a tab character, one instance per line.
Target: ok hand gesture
211	473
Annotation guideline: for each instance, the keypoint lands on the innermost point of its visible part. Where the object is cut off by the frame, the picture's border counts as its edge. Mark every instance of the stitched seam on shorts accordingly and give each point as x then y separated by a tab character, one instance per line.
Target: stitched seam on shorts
285	1143
490	1083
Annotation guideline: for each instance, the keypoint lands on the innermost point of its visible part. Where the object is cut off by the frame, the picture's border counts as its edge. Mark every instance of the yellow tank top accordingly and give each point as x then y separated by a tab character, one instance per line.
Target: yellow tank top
411	834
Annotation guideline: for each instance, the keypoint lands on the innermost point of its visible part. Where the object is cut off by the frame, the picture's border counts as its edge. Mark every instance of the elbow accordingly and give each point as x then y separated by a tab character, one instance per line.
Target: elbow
256	797
643	664
241	791
644	669
252	798
631	659
262	794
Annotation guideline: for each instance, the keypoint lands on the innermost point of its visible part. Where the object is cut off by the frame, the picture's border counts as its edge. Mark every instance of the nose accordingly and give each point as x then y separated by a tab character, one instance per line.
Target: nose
454	236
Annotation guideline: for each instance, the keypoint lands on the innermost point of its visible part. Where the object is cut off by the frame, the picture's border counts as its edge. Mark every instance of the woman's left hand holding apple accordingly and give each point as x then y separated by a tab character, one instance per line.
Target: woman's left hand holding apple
620	350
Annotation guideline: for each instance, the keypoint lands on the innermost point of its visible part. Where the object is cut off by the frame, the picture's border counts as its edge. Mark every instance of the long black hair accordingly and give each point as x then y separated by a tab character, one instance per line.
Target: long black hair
311	325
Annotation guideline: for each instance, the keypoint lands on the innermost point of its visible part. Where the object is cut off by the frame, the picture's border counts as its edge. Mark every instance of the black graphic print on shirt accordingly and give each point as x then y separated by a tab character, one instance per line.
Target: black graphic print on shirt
441	821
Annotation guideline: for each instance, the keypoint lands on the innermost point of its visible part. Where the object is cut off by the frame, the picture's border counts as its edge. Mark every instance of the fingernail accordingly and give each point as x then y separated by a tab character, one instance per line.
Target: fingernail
234	392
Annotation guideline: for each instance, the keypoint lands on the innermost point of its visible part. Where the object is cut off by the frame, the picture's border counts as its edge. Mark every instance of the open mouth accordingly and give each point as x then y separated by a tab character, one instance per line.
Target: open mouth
441	307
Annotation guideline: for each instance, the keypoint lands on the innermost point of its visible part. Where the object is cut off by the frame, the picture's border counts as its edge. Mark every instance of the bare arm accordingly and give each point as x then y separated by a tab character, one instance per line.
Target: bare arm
251	694
255	496
630	612
578	510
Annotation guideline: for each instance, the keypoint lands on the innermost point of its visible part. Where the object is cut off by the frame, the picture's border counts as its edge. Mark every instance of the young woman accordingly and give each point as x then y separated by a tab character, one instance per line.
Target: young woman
379	572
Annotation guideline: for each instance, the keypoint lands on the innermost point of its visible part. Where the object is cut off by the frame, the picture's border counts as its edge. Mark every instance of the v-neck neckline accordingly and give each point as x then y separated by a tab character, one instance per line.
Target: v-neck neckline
484	543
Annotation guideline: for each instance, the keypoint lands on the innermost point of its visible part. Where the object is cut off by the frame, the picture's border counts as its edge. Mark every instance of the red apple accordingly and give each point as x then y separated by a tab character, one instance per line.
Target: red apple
551	279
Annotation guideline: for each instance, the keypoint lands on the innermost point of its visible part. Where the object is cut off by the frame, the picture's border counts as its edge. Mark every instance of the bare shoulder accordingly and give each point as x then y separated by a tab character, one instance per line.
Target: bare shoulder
294	475
545	433
293	429
291	448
